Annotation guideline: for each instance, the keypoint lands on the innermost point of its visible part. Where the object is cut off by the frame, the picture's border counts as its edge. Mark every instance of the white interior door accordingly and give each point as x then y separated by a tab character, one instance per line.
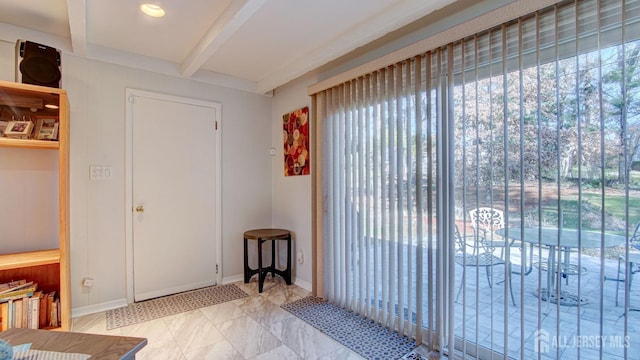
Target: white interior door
174	175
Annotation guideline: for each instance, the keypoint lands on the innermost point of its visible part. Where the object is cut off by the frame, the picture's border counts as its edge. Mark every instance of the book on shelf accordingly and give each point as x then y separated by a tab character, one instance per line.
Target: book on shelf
17	313
4	316
34	308
51	311
10	316
55	310
19	293
28	307
42	311
13	285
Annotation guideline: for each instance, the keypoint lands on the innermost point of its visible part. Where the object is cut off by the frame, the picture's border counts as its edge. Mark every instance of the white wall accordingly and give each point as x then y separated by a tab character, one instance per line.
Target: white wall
97	129
292	194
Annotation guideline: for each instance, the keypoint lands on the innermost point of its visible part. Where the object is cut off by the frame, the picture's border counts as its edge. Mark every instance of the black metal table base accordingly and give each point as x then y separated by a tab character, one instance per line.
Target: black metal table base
628	311
284	274
262	271
564	298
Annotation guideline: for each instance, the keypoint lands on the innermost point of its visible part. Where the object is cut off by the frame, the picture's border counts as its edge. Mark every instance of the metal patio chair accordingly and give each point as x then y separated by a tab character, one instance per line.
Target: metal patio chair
479	256
631	263
485	221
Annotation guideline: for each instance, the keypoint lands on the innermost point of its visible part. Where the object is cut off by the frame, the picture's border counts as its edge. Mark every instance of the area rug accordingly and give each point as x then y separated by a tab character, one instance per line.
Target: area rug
356	332
173	304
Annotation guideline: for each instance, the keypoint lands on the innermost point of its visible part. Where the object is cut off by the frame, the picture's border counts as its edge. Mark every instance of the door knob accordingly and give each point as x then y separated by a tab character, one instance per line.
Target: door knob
139	208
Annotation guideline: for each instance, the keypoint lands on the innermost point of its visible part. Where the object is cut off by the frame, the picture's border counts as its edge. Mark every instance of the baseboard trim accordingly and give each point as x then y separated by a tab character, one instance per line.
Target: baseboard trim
109	305
92	309
232	279
303	284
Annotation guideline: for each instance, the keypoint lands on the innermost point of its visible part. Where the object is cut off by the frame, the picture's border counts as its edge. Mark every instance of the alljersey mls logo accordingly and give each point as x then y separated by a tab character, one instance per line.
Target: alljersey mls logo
541	338
545	343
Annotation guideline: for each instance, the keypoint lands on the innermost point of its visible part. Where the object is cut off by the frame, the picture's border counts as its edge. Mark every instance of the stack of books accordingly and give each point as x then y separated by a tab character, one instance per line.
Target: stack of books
22	305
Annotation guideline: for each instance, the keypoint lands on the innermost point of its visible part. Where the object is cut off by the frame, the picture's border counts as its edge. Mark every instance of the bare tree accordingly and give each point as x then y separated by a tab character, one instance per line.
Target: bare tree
621	84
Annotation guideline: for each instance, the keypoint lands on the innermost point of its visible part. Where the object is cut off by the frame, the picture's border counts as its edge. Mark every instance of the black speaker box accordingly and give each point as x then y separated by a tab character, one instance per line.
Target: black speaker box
37	64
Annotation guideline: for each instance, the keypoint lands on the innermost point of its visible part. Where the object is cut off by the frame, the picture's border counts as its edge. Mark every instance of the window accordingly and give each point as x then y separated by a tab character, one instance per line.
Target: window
536	121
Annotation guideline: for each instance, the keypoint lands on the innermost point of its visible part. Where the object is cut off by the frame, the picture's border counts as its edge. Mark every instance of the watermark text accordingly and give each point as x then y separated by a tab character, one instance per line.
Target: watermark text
545	342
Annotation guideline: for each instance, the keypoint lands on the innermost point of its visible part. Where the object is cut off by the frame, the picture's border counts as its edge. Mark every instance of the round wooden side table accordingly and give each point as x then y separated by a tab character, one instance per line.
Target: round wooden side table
262	235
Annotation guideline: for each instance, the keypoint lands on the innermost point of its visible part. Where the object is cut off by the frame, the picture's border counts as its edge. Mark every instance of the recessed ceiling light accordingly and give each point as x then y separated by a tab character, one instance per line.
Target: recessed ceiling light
152	10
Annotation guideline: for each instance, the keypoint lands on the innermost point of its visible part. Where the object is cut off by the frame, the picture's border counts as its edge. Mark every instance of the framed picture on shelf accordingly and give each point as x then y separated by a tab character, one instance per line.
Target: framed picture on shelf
46	129
18	129
3	126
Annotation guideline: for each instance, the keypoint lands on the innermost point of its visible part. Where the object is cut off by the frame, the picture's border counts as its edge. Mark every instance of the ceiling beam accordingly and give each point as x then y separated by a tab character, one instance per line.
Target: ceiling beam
77	13
233	17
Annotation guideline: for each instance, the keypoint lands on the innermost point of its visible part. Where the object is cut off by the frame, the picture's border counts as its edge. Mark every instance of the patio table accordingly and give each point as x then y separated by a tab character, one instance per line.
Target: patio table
560	239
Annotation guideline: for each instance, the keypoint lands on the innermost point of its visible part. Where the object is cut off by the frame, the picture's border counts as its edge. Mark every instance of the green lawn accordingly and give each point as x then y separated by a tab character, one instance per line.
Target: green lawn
615	211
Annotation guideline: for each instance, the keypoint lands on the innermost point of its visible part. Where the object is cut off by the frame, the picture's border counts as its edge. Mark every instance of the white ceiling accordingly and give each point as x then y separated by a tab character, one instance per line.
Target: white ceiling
259	43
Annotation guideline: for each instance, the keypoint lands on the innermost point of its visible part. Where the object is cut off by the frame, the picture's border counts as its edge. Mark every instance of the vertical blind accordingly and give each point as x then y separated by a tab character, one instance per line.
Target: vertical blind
381	160
537	118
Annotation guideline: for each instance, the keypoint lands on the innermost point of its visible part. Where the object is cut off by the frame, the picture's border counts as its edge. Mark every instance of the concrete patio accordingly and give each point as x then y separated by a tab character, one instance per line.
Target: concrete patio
593	330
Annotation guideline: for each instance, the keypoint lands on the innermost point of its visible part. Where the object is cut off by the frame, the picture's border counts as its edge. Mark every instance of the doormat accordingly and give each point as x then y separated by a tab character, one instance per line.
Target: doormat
358	333
173	304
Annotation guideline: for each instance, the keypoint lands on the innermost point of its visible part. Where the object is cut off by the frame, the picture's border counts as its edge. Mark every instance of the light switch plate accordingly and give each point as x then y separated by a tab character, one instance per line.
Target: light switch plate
100	172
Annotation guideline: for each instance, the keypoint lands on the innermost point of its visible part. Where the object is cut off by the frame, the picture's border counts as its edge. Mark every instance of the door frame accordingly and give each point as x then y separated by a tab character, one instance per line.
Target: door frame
130	95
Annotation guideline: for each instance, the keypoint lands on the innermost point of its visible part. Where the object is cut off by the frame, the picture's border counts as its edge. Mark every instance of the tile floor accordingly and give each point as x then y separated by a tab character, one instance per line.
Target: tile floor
254	327
257	328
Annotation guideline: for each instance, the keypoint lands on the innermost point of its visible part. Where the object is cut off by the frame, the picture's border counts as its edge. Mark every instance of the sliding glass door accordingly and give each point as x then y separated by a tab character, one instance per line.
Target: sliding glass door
547	132
484	195
379	166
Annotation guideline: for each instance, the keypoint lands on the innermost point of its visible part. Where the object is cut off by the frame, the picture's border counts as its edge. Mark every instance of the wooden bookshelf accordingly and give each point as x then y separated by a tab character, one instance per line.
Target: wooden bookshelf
49	268
29	259
29	144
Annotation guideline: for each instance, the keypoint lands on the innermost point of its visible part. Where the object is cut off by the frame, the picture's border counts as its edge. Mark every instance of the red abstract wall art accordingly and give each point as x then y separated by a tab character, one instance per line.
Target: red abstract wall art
295	137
